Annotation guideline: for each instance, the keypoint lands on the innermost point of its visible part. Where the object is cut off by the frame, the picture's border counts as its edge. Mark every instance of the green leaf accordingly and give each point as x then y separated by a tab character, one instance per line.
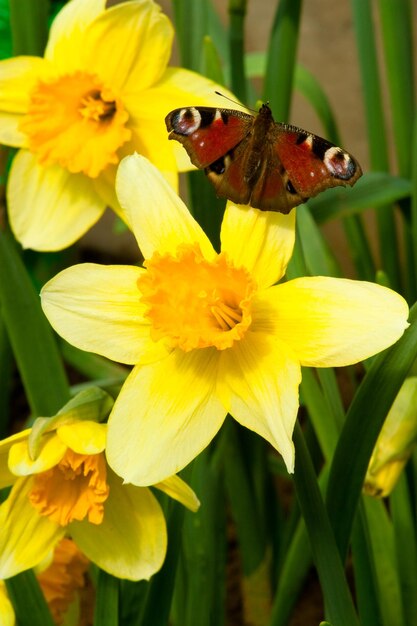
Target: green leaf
363	423
106	611
28	600
374	189
30	334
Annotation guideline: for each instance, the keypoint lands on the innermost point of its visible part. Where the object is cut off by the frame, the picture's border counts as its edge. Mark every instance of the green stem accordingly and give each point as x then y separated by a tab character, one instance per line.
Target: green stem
29	24
326	557
237	14
106	611
30	334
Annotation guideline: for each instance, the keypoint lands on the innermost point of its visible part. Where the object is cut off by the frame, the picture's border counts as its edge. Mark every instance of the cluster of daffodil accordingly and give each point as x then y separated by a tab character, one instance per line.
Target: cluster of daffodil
207	333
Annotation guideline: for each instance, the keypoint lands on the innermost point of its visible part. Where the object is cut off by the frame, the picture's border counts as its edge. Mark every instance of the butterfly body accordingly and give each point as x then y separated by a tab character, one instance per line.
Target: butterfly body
255	160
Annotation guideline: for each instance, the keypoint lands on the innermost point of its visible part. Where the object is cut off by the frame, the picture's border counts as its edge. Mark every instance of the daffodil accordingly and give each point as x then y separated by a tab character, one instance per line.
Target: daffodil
210	333
101	91
62	485
61	579
395	442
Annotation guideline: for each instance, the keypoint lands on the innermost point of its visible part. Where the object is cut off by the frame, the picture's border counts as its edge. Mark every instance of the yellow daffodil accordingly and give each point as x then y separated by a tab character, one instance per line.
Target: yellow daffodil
210	333
395	443
101	91
62	485
61	580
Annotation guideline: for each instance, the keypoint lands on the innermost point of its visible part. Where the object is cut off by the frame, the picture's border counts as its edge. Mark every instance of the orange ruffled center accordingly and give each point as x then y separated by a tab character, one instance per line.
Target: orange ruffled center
77	122
64	577
74	489
195	303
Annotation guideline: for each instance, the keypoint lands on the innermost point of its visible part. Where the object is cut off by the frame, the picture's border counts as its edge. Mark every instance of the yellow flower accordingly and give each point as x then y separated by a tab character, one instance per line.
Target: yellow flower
102	91
210	333
395	443
67	488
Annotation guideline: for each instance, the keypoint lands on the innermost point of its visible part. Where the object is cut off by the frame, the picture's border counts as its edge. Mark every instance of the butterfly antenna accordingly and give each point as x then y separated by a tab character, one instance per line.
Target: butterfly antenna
219	93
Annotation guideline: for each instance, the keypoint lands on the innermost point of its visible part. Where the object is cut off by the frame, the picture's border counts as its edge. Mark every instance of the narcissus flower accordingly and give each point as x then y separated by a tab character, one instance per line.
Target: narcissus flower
395	443
210	333
62	485
101	91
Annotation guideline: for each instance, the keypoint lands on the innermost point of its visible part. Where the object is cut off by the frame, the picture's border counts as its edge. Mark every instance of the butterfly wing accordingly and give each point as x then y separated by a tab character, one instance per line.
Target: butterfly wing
207	133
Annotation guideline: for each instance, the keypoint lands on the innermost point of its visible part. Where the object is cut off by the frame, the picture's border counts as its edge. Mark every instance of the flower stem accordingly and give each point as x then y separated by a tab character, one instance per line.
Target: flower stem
336	592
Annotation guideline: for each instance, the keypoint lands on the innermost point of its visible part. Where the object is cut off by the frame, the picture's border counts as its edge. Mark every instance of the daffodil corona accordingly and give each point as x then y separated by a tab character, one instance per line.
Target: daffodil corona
100	92
210	333
62	485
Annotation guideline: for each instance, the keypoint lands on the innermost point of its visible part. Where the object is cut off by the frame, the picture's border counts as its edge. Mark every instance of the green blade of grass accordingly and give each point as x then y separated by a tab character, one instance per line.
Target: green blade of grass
106	611
237	15
374	189
397	39
30	334
29	25
28	600
363	422
326	557
282	52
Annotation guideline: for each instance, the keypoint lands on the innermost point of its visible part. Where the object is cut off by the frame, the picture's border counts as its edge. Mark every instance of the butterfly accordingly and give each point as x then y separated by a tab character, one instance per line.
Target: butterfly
257	161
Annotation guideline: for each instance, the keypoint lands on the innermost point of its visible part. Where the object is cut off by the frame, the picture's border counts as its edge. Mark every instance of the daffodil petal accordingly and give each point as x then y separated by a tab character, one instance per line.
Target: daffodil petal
333	322
6	607
104	185
6	477
67	29
179	87
49	208
26	537
259	380
18	76
51	451
165	415
97	308
83	437
131	540
176	488
157	216
129	45
261	241
149	139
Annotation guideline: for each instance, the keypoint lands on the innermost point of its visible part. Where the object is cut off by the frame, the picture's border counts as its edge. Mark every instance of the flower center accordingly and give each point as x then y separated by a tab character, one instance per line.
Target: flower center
72	490
195	303
77	122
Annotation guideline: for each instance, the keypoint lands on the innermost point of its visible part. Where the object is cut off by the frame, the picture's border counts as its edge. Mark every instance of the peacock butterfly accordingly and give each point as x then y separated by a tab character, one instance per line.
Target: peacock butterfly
255	160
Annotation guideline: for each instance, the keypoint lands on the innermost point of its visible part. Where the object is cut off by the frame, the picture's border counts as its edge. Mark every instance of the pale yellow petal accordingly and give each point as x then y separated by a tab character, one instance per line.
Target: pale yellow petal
51	451
26	537
179	88
129	45
259	379
261	241
131	541
6	477
165	415
157	216
67	30
18	76
176	488
150	139
332	322
7	615
83	437
97	308
49	208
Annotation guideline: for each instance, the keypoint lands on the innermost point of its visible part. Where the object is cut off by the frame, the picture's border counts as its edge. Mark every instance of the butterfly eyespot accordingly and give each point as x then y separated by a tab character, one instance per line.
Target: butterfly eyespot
290	188
218	167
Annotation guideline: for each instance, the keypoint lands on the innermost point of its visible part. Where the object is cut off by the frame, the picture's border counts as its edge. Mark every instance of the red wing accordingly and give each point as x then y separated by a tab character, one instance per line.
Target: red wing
312	163
208	133
267	191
